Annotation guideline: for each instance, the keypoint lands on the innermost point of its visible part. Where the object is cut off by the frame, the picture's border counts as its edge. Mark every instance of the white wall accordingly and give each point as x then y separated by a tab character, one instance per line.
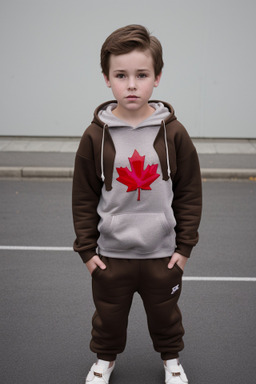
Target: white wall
50	75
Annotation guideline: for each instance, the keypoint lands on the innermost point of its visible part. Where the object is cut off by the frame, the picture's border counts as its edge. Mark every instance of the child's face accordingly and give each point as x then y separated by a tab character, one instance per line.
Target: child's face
132	80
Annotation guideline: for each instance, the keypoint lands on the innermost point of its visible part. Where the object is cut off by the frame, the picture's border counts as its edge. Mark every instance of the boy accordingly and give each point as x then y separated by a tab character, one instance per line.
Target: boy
136	205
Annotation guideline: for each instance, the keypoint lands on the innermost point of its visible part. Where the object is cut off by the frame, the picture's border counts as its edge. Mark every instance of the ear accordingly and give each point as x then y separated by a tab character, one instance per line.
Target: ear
157	79
107	80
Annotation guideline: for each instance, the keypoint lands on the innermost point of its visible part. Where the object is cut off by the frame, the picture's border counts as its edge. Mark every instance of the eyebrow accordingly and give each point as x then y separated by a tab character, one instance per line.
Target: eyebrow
138	70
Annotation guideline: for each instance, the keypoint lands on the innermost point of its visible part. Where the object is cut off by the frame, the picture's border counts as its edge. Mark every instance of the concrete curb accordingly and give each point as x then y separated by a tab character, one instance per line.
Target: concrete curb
36	172
67	172
228	173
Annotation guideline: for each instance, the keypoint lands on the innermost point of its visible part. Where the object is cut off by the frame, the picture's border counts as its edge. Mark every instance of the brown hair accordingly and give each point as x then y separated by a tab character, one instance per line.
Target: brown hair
126	39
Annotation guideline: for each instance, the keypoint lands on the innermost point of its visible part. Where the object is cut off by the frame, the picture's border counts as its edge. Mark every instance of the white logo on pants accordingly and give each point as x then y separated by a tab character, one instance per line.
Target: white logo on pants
175	288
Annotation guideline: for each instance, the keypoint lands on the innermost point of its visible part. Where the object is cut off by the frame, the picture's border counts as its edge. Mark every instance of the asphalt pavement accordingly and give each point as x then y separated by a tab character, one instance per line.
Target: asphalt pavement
31	157
45	290
46	302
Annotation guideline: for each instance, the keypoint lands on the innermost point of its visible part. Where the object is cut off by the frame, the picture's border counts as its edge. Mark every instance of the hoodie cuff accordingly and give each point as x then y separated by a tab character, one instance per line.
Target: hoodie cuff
87	255
184	250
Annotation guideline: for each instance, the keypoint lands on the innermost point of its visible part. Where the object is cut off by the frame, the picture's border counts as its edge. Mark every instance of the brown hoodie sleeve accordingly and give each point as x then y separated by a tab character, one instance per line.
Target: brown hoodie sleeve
85	198
187	188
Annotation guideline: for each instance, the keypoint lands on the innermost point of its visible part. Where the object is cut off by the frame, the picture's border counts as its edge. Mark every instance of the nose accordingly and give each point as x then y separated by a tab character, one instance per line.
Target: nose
132	83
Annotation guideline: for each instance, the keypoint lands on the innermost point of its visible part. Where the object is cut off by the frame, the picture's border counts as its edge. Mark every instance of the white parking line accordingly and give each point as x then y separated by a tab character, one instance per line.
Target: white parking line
32	248
65	249
217	278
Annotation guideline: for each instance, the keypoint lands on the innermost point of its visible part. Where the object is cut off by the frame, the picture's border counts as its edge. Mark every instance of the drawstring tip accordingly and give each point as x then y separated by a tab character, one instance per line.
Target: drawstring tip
103	178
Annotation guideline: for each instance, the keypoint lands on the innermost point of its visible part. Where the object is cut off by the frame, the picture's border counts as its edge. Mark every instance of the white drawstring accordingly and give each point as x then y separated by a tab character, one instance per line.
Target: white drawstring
167	151
101	155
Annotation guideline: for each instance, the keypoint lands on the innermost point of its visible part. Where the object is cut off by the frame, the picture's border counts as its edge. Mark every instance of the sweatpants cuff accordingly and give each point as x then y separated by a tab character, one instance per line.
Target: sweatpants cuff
101	356
169	356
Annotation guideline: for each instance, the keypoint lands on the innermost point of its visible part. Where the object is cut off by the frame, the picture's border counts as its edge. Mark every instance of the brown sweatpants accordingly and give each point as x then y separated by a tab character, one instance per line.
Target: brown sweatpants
113	290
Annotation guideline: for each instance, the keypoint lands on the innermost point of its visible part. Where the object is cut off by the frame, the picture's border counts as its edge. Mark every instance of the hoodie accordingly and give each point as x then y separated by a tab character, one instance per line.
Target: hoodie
136	190
136	216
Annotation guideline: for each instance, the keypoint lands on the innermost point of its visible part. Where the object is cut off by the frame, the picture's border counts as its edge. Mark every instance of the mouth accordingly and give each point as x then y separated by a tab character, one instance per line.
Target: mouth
132	97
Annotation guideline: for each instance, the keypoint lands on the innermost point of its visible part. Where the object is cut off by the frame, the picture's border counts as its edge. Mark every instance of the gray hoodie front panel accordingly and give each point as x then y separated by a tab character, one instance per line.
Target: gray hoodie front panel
138	223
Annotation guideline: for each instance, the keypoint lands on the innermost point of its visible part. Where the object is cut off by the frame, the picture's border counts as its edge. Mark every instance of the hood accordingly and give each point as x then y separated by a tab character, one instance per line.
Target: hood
156	118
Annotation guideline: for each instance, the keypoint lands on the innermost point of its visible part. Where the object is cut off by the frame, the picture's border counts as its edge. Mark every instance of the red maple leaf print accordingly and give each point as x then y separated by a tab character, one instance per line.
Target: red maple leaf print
137	178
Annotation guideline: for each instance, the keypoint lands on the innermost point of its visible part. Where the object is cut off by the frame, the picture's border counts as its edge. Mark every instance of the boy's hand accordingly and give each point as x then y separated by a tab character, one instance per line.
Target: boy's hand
179	260
95	262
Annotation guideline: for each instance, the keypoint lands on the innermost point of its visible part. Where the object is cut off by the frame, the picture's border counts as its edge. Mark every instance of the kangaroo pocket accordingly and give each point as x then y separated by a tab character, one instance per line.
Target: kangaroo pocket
145	232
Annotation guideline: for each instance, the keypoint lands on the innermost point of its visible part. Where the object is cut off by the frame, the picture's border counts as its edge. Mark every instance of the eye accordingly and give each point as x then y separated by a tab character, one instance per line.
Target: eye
120	76
142	75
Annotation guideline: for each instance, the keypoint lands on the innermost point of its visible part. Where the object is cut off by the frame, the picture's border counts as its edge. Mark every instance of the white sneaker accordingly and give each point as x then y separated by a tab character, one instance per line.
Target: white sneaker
174	374
99	374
